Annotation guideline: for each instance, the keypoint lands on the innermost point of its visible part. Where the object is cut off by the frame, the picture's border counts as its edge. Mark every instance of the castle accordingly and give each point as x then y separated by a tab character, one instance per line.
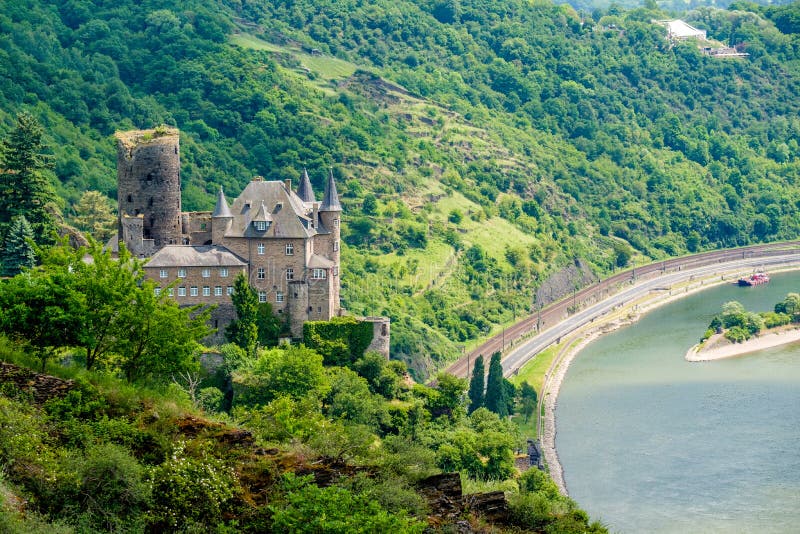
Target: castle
284	241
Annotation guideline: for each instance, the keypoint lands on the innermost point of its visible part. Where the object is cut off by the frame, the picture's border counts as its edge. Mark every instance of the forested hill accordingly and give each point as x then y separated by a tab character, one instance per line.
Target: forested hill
480	145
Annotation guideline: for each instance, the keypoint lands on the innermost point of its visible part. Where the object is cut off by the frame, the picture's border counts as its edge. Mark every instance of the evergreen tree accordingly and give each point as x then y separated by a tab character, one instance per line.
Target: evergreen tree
18	250
244	330
495	390
24	186
477	385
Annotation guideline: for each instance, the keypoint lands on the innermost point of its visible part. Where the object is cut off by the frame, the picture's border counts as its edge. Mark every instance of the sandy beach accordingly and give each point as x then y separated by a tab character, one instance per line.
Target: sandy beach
713	349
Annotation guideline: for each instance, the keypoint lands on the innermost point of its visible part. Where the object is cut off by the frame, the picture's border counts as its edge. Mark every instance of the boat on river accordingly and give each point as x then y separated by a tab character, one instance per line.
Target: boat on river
754	280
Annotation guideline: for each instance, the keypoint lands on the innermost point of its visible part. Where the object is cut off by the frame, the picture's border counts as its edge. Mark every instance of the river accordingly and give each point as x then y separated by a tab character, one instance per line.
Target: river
652	443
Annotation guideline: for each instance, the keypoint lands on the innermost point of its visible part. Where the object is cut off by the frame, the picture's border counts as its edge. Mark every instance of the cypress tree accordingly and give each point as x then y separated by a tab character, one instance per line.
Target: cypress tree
477	385
495	390
244	330
18	251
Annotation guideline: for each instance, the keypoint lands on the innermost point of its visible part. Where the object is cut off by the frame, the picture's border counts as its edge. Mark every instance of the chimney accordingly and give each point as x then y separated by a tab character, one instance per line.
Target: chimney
288	184
315	216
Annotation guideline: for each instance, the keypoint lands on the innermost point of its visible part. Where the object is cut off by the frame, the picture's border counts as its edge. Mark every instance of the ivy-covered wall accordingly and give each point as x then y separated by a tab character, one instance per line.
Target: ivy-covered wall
341	341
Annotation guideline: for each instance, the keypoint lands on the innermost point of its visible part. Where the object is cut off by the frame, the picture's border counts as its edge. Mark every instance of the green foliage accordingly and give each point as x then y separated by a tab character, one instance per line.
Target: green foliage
306	507
25	188
17	253
477	384
111	492
190	491
496	400
243	331
341	341
105	307
528	399
294	371
350	399
789	305
383	378
94	215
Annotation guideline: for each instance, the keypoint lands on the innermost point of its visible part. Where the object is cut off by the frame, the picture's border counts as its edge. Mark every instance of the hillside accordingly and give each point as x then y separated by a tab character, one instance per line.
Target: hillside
480	146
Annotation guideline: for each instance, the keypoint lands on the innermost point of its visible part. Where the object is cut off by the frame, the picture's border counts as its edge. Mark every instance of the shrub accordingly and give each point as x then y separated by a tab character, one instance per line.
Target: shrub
190	490
306	507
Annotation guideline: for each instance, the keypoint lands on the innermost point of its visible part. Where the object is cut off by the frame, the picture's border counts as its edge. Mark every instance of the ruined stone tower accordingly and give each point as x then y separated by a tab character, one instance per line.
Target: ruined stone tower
149	189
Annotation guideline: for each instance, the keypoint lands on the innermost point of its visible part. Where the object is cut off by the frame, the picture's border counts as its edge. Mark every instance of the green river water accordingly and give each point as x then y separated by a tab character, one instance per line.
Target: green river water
652	443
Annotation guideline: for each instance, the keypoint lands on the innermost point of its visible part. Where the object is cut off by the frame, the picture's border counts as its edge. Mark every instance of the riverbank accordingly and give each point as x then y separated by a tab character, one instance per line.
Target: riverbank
579	339
717	347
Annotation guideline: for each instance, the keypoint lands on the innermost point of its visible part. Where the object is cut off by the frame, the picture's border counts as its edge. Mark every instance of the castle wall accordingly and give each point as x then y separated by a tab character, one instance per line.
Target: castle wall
149	184
297	306
380	335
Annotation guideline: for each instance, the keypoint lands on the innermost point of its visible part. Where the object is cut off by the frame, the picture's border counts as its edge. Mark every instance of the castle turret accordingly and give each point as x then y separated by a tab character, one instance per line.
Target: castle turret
304	191
149	186
330	212
221	219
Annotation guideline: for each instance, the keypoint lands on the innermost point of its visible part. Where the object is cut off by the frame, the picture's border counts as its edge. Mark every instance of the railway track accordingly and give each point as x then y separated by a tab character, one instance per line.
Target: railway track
548	317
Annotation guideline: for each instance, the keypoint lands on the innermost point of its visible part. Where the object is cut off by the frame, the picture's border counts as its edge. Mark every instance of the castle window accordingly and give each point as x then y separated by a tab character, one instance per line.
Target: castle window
262	296
289	249
193	291
230	290
336	223
150	177
261	273
158	291
336	245
335	271
170	292
206	291
223	272
310	309
130	198
203	226
163	273
181	273
150	202
217	291
318	274
182	291
290	274
279	296
261	249
206	273
319	309
261	226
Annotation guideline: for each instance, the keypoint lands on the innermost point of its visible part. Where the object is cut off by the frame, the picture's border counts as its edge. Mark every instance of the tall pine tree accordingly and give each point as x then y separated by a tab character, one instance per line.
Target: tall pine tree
495	390
477	385
25	188
18	250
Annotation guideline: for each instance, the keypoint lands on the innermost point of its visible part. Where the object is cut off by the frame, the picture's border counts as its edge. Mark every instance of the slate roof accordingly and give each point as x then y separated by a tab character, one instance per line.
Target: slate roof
221	209
304	191
330	202
290	217
195	256
320	262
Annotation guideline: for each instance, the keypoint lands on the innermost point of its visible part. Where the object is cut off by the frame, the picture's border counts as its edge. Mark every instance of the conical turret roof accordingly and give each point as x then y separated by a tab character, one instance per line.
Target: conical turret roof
222	209
304	191
330	202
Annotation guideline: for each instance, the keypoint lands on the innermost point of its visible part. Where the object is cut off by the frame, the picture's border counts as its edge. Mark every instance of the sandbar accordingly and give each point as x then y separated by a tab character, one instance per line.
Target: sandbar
714	349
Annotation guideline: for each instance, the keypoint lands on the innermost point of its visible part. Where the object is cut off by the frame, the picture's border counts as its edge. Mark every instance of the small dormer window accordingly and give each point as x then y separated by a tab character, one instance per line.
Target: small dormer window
261	226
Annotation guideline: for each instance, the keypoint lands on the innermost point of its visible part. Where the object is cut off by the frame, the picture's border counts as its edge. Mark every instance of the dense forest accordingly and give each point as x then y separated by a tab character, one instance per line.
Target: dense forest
481	146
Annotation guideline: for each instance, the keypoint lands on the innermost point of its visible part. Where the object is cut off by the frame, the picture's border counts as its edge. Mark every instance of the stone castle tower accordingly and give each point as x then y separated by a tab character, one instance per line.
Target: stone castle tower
149	189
